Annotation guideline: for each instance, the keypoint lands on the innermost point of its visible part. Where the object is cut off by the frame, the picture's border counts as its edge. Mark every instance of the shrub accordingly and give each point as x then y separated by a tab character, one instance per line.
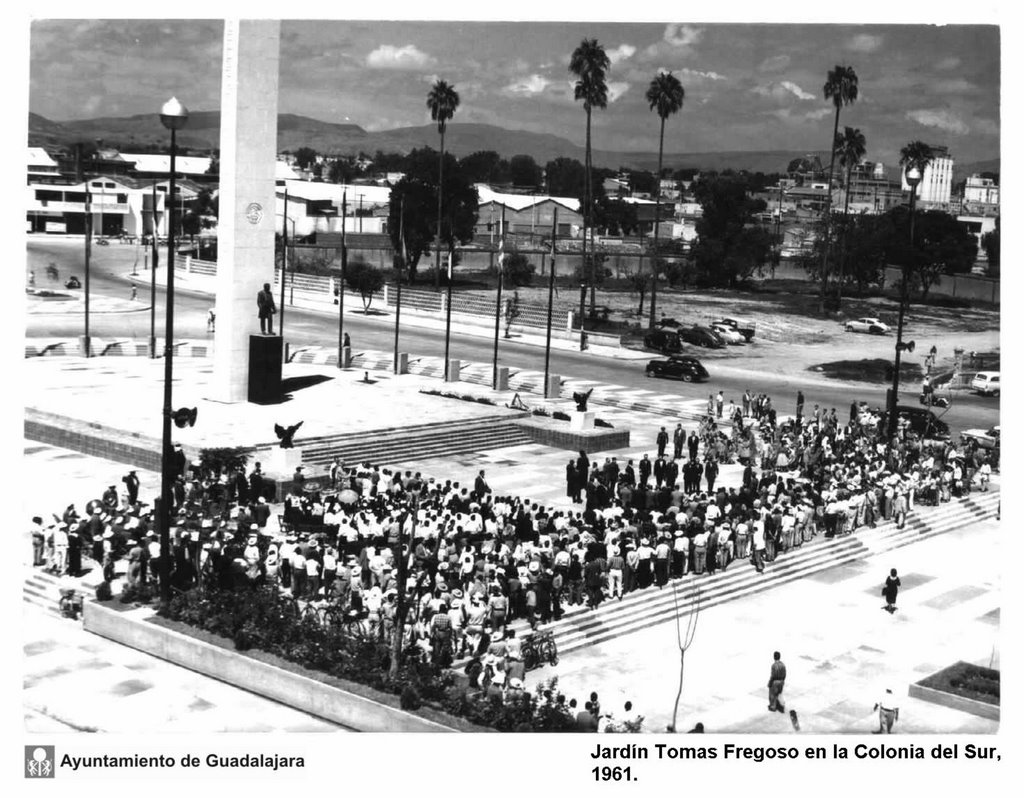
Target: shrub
103	591
558	414
600	422
410	698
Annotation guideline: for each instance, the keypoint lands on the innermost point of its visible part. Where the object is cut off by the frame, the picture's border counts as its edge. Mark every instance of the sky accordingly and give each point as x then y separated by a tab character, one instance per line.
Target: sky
748	86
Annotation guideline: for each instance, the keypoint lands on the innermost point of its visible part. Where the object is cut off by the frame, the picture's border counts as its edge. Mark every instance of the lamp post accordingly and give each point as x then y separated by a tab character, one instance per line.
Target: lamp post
284	260
913	177
173	116
152	278
341	284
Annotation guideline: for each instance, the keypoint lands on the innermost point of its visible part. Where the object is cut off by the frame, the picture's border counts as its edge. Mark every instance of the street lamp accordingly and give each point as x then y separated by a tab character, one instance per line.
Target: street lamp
913	177
173	116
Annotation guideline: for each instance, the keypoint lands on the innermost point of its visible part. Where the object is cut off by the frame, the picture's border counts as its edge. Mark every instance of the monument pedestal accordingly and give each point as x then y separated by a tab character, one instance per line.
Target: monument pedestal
281	463
266	356
581	420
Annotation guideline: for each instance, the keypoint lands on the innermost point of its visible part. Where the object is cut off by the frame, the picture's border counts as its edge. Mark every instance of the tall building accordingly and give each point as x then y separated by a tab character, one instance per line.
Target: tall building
981	190
936	186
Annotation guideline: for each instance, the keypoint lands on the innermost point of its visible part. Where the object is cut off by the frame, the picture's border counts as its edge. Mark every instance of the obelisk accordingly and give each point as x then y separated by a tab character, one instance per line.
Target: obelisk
248	153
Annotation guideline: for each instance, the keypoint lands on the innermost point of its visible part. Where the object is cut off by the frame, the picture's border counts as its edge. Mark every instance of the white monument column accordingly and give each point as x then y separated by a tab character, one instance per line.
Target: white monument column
248	153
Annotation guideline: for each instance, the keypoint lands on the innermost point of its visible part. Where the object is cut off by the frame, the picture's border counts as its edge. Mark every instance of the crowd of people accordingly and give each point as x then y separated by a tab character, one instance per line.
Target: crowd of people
471	561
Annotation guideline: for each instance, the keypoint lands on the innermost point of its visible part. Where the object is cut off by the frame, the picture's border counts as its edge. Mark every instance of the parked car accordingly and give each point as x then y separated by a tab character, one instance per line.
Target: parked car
702	336
922	421
986	382
682	367
867	324
986	439
664	341
746	329
730	335
72	282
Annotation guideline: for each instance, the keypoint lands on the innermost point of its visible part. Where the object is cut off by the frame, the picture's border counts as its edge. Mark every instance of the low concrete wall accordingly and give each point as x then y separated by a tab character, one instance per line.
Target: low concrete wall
557	434
978	708
297	691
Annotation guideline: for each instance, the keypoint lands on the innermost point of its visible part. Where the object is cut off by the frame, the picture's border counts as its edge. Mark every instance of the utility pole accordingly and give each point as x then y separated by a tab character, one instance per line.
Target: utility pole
551	297
497	307
341	285
152	281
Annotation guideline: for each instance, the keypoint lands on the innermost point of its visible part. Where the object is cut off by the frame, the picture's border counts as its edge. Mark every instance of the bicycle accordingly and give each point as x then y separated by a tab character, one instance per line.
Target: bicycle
538	649
70	603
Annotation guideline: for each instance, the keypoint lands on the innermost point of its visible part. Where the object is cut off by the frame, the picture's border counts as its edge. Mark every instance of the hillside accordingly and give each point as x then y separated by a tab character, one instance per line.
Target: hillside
203	135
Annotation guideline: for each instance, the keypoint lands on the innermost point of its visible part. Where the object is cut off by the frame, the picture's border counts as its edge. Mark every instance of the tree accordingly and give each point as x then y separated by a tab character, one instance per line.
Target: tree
589	63
517	269
525	172
442	101
850	146
485	166
343	170
684	641
664	95
990	243
841	88
941	246
305	157
729	248
362	277
418	191
638	284
615	217
565	177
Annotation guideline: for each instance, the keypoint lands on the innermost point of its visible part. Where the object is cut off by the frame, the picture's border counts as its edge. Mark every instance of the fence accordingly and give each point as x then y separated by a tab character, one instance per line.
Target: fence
964	286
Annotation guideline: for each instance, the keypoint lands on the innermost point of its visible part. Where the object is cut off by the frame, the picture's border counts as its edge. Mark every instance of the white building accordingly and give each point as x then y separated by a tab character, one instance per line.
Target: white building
317	207
981	190
936	186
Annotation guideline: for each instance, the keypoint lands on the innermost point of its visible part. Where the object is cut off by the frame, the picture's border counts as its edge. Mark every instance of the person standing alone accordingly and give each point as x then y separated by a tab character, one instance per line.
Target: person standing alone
776	682
891	589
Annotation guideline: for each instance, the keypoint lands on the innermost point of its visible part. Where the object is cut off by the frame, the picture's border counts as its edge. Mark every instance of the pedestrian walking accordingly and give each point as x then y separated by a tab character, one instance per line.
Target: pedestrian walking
211	320
888	712
135	291
719	404
776	683
799	407
890	591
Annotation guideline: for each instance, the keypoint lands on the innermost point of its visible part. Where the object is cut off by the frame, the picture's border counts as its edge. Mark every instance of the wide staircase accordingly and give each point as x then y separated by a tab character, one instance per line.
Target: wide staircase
398	445
579	628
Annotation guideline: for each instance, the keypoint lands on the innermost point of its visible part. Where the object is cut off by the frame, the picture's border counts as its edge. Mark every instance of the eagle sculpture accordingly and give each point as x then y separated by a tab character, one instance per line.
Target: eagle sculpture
285	434
581	398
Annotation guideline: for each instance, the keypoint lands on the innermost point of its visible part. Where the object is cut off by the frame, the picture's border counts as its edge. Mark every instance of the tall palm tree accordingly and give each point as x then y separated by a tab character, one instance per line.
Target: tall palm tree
665	95
589	63
442	102
841	88
850	145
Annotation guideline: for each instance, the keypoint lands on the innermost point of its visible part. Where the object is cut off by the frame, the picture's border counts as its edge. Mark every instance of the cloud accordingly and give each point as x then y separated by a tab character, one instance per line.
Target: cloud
782	90
942	119
679	35
864	43
389	57
986	127
616	89
947	63
774	63
621	53
697	74
817	113
528	86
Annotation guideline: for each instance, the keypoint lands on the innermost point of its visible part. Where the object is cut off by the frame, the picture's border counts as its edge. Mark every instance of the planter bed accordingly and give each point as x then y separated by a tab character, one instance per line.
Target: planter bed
968	688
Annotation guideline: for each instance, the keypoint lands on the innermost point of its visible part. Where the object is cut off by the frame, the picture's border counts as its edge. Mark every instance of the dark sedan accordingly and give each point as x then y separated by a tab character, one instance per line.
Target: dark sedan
702	336
680	367
922	421
664	341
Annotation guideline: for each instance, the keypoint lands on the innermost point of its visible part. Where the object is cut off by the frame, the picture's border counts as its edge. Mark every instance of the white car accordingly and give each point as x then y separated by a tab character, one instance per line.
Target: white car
987	439
730	335
868	324
986	382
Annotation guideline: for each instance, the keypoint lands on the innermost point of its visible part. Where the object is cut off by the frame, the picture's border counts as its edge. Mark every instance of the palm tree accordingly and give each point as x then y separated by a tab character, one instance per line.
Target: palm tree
589	63
850	146
665	95
841	88
442	102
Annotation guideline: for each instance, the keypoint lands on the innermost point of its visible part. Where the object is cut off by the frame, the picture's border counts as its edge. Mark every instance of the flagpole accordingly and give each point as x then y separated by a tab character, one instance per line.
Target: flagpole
341	284
398	278
551	297
497	308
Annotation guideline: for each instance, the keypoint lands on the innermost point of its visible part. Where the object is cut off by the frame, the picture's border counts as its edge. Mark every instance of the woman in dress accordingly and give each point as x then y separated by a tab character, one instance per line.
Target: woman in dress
892	587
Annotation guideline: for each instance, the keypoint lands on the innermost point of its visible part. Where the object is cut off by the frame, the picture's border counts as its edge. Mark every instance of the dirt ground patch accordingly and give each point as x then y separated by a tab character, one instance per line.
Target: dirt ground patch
876	370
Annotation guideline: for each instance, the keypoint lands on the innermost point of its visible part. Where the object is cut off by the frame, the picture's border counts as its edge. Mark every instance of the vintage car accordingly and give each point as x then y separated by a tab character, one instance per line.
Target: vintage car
680	367
867	324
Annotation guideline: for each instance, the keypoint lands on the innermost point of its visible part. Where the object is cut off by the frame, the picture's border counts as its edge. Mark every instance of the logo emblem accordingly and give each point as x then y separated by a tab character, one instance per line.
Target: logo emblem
39	762
254	213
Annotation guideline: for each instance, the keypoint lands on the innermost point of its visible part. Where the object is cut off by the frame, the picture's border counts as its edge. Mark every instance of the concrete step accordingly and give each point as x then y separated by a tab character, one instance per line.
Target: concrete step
314	454
383	433
580	628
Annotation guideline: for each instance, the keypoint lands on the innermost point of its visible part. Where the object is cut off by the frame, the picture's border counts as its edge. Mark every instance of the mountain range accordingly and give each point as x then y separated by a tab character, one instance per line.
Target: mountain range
202	135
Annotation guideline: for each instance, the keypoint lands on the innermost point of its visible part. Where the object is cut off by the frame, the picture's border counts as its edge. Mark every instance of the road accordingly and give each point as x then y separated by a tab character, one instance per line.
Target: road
304	328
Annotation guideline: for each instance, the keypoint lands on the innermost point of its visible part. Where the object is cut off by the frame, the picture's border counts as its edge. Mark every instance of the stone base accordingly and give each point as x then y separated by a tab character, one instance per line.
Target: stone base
281	463
581	420
554	433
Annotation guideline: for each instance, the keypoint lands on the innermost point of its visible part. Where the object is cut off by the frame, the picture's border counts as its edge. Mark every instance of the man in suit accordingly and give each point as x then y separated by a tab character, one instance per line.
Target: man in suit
131	482
776	682
662	441
645	470
711	473
659	471
267	309
693	443
480	486
678	439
